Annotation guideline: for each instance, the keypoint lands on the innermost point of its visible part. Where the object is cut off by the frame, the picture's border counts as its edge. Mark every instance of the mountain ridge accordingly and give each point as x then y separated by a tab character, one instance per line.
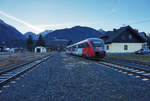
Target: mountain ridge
76	33
8	32
36	36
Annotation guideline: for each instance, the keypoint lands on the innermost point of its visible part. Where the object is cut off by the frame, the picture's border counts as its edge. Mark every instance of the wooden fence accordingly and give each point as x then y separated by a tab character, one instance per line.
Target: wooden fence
5	53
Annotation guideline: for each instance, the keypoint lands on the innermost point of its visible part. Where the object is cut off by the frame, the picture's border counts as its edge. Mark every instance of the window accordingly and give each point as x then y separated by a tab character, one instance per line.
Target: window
130	36
86	45
123	37
80	45
97	43
107	47
73	48
69	48
83	45
125	47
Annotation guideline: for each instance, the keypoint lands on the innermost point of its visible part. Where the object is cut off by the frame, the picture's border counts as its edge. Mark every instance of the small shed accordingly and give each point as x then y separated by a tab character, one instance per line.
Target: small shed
40	49
1	48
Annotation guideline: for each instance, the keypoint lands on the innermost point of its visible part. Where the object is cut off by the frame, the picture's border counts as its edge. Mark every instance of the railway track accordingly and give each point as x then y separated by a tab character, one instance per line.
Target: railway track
14	72
138	72
129	70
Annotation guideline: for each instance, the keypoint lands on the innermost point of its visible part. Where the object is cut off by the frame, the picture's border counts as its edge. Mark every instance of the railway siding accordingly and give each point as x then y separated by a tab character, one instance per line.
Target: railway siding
137	72
128	63
14	72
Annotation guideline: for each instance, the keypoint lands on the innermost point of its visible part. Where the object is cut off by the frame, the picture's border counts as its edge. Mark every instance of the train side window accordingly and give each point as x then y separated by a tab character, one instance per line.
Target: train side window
86	45
69	49
83	46
73	48
80	46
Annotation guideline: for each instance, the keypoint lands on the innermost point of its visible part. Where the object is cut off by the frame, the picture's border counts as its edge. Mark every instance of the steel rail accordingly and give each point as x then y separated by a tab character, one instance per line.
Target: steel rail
128	69
5	80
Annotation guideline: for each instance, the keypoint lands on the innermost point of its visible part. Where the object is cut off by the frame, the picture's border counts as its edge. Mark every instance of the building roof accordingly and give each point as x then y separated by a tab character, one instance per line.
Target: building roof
40	47
143	34
110	36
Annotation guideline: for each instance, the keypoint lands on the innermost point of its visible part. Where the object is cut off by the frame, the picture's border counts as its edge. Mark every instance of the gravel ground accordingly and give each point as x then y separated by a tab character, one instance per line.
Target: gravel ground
67	78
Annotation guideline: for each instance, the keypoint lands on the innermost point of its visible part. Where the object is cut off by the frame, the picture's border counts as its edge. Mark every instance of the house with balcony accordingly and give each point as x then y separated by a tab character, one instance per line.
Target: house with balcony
123	40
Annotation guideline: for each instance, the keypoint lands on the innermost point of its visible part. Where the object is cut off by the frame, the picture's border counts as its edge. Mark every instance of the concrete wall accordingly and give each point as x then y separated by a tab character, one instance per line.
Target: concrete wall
119	47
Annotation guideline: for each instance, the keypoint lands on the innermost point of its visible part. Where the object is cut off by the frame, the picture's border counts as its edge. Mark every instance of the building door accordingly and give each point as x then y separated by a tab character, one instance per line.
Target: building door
38	50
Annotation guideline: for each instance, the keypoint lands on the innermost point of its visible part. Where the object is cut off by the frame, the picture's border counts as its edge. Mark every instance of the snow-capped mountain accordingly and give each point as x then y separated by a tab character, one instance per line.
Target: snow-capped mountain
36	36
45	32
102	31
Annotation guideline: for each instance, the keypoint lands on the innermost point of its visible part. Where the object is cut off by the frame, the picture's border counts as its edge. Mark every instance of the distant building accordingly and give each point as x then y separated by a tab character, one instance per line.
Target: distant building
123	40
16	50
40	49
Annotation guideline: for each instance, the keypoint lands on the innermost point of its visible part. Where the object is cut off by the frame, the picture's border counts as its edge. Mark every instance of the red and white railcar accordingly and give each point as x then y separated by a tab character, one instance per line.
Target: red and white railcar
89	48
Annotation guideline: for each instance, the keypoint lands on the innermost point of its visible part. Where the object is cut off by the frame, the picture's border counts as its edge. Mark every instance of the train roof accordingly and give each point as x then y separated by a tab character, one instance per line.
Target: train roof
90	39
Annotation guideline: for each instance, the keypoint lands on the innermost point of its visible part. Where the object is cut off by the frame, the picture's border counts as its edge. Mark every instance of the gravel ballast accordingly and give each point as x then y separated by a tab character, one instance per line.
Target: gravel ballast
68	78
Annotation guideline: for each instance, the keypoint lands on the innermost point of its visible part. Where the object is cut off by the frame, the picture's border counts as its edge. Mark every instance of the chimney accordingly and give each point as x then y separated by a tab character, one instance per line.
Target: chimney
114	29
136	30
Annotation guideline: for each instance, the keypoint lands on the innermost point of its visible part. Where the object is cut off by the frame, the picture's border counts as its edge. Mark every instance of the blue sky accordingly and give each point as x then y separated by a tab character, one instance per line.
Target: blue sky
38	15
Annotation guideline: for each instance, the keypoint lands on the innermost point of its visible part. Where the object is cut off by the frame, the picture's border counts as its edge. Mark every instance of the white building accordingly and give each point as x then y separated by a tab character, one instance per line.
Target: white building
123	40
40	49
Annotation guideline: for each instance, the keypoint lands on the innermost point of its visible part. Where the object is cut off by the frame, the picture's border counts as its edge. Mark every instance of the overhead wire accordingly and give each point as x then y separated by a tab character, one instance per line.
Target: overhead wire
139	22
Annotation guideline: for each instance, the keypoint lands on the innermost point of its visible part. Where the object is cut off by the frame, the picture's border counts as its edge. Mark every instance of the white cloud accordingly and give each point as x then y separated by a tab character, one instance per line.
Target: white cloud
42	27
67	25
58	26
54	26
36	29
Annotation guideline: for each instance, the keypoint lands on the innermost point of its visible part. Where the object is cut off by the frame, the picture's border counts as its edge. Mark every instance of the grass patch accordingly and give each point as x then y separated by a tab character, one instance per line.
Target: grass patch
132	57
11	59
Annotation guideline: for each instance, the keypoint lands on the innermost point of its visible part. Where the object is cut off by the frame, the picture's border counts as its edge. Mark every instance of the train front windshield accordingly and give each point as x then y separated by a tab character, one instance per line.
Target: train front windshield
97	43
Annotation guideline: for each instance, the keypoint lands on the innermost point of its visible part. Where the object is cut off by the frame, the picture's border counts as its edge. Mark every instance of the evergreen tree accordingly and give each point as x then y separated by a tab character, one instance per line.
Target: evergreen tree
69	42
149	40
40	41
30	43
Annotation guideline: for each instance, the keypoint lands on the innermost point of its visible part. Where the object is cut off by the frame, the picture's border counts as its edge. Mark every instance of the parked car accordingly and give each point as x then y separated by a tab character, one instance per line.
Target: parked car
142	51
